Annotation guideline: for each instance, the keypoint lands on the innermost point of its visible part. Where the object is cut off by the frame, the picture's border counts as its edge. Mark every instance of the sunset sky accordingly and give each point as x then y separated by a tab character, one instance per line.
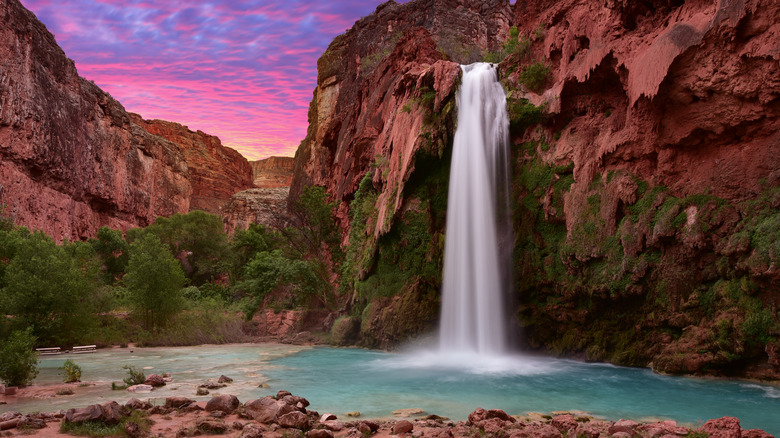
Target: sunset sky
243	70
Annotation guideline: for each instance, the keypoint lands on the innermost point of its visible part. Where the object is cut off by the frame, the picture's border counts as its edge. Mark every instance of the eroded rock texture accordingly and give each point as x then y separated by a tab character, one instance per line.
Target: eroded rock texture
273	172
371	82
649	187
647	171
216	171
71	160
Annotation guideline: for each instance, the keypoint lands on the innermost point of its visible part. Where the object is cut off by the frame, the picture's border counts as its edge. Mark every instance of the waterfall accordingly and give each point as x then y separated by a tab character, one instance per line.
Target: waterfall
478	244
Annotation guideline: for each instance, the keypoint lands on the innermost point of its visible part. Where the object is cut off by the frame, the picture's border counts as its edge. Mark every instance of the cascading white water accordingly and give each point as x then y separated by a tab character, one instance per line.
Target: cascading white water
477	250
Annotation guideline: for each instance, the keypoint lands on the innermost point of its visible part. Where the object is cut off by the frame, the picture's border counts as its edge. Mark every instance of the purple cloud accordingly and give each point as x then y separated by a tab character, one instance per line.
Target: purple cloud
243	70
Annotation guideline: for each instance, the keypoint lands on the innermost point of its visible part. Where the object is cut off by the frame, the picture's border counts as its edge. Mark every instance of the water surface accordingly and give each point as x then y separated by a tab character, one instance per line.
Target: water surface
340	380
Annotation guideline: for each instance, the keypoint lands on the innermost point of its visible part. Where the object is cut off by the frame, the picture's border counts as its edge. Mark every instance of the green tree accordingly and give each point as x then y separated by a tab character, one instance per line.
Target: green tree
44	289
154	281
197	239
113	251
245	244
18	360
270	270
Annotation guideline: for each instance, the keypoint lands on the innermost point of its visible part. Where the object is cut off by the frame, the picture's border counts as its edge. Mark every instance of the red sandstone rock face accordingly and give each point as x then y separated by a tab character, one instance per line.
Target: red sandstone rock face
370	82
216	171
273	172
70	158
255	206
684	96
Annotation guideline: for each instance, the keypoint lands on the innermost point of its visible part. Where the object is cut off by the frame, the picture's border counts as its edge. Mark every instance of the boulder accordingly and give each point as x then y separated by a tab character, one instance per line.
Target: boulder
327	417
140	389
263	410
372	425
225	403
501	415
31	422
136	404
335	426
252	431
211	426
402	427
178	402
364	429
154	380
564	423
755	433
725	427
108	413
626	426
7	416
319	433
295	420
224	379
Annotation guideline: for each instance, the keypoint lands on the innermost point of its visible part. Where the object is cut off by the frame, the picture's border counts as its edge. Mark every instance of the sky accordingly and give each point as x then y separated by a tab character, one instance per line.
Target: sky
243	70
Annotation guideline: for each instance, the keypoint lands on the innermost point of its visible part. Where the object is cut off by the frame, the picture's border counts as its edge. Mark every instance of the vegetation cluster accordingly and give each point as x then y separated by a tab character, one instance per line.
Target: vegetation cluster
180	281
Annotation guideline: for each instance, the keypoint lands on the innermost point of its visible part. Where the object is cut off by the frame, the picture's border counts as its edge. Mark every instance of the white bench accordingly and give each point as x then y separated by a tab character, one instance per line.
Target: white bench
49	351
84	349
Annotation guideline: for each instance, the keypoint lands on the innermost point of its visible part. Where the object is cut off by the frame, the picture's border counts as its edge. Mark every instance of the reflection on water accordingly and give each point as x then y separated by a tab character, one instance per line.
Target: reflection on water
376	383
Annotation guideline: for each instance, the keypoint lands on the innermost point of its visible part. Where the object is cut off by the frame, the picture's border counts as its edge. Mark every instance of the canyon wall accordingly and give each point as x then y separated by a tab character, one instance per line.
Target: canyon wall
646	172
71	160
273	172
264	204
379	137
216	171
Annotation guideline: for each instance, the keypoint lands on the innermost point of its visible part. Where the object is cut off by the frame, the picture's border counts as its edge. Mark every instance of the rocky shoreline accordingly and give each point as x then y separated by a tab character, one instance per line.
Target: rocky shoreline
286	415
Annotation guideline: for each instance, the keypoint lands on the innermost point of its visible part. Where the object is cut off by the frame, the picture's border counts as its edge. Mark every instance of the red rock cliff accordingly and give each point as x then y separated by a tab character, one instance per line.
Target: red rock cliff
647	171
71	160
390	60
216	171
273	172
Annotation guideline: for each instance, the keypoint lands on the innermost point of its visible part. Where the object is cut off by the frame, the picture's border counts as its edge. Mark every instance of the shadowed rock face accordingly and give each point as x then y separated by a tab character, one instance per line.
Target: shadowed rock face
71	160
216	171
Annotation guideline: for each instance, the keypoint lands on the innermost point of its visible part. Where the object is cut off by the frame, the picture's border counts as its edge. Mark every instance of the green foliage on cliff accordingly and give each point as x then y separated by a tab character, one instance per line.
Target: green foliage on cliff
625	292
514	44
535	76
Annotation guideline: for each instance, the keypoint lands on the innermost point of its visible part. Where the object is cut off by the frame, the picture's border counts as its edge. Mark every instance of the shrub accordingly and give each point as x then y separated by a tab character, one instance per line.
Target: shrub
535	75
134	376
72	372
18	360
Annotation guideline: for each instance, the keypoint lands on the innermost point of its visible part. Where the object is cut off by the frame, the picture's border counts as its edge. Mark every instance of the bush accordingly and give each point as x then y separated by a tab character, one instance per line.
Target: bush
535	75
345	330
18	360
134	376
72	372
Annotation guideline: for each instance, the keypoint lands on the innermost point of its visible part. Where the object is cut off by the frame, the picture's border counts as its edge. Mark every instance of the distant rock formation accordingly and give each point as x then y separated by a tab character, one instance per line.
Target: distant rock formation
71	159
273	172
255	206
216	171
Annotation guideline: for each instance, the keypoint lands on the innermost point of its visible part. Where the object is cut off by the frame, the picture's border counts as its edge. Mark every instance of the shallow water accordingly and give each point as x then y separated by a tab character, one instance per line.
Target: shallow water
376	383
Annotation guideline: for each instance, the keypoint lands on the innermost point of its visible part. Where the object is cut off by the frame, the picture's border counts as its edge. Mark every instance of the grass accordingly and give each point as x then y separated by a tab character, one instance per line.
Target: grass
100	429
